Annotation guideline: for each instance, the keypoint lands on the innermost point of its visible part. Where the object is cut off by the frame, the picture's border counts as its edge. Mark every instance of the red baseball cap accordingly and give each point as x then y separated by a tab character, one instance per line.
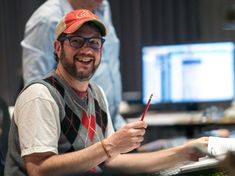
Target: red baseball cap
73	20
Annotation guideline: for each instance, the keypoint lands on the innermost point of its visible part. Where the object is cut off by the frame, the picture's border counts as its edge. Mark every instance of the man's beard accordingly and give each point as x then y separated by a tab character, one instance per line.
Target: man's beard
71	68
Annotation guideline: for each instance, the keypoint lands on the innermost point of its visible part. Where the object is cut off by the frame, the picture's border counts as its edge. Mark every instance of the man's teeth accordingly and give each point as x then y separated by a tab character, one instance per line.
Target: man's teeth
85	60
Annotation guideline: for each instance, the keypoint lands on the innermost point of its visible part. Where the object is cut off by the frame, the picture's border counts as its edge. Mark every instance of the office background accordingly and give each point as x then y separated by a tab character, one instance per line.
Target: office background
137	22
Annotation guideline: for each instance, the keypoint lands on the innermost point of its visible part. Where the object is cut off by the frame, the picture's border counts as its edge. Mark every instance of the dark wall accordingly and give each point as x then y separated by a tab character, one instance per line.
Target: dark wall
151	22
137	22
13	16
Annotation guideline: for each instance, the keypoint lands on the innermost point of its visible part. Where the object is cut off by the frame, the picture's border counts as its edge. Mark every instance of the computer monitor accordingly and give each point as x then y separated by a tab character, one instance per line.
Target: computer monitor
188	73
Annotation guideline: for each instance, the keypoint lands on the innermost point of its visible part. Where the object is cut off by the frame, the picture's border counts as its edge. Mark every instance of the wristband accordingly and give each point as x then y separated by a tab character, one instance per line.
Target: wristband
106	151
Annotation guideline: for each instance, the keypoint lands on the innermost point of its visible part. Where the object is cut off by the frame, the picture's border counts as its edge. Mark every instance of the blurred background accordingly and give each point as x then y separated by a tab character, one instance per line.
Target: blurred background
138	23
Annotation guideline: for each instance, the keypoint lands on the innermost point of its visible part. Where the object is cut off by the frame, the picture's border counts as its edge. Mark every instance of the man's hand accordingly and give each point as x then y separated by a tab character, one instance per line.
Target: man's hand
190	148
126	139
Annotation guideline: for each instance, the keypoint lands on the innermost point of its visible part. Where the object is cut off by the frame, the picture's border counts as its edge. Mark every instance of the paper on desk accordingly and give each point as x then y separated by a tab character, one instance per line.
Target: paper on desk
220	146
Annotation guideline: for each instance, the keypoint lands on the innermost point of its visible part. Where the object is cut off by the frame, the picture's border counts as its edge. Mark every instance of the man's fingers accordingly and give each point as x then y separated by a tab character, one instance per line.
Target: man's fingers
137	124
137	132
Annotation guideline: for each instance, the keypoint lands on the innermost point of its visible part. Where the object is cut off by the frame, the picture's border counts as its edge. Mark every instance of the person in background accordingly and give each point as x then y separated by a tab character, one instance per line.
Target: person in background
61	124
38	59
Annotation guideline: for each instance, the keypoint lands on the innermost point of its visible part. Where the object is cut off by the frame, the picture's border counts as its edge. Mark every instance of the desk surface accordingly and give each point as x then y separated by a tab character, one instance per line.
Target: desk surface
184	118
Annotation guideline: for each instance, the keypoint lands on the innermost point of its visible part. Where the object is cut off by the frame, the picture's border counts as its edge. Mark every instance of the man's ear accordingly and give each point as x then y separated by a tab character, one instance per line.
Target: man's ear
57	47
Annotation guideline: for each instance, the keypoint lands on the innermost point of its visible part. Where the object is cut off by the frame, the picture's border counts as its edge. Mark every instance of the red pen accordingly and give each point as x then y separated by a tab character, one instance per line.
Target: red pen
146	107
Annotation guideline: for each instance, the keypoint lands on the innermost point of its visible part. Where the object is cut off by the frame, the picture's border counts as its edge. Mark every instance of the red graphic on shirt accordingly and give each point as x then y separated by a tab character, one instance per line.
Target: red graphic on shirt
89	124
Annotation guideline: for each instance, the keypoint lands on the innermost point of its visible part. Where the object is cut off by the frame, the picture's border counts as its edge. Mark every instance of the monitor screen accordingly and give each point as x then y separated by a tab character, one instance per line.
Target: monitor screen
188	73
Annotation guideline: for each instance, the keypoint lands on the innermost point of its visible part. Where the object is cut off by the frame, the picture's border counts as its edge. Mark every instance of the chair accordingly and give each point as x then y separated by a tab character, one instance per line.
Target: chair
4	126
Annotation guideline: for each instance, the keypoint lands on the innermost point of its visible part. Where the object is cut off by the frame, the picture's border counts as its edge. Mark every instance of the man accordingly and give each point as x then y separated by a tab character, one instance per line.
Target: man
61	124
38	59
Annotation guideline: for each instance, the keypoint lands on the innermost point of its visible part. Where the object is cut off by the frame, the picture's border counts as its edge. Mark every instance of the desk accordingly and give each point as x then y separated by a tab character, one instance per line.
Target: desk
165	125
184	118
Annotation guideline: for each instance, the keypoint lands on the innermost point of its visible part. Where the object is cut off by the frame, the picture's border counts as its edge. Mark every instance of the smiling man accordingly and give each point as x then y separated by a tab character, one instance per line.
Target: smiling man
61	124
38	46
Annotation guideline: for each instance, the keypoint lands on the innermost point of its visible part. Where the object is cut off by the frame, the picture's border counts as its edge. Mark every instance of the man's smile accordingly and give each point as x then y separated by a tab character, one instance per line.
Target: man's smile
85	60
